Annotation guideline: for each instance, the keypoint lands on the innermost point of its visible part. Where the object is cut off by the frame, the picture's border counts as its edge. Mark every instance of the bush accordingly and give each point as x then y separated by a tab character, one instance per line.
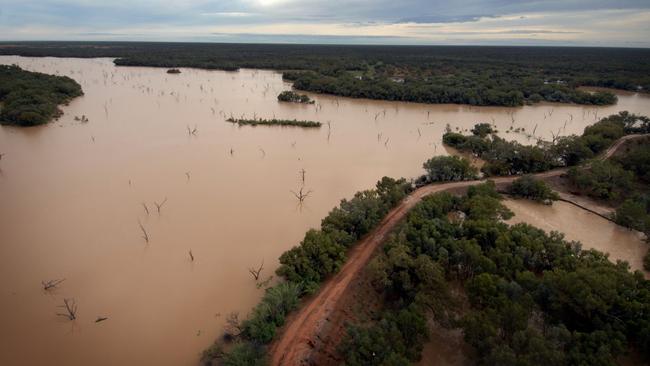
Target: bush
397	339
290	96
483	129
602	180
449	168
271	312
533	189
635	214
245	354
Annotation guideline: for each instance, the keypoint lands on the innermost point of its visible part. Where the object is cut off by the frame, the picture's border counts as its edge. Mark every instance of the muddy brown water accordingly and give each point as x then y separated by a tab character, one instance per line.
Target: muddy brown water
593	231
71	197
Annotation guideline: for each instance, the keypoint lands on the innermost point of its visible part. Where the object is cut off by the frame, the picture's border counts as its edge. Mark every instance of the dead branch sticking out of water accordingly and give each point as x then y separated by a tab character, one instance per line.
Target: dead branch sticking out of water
145	236
191	255
1	155
256	272
160	205
187	174
146	209
70	309
302	175
50	284
192	132
100	319
301	196
329	130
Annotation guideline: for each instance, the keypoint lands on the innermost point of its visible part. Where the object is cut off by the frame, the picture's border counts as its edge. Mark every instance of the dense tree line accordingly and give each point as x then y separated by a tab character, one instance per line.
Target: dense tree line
31	98
322	252
533	298
507	76
505	157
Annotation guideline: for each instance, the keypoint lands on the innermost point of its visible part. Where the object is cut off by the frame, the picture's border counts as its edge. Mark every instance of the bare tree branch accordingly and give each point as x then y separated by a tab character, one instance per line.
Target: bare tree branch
146	209
301	196
50	284
160	205
70	309
256	272
145	236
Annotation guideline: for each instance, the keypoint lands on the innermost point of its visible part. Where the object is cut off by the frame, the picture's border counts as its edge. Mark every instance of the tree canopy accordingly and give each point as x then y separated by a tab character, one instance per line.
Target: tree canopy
30	98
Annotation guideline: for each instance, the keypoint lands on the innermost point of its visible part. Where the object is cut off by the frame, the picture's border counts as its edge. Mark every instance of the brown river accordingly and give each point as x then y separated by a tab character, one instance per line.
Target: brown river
72	197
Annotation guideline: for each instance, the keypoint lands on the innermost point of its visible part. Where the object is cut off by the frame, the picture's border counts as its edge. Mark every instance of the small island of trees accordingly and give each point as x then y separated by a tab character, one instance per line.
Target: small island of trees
31	98
289	96
274	122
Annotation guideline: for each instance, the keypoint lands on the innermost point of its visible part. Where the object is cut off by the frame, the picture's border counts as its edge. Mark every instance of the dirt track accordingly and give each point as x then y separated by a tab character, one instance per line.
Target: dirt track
302	332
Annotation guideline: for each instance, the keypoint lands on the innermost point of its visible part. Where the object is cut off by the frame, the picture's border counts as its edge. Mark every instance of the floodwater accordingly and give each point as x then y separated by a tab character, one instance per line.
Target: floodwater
593	231
72	195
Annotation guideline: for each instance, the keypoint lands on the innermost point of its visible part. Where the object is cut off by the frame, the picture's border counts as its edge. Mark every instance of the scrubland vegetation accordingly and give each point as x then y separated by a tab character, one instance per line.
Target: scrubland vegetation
506	76
31	98
531	298
512	158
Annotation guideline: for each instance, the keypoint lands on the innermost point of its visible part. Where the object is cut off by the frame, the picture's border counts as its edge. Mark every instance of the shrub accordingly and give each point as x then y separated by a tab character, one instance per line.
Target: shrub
290	96
533	189
449	168
271	311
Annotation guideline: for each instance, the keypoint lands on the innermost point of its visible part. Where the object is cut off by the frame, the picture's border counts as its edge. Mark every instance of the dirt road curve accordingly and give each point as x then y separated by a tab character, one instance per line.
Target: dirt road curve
300	335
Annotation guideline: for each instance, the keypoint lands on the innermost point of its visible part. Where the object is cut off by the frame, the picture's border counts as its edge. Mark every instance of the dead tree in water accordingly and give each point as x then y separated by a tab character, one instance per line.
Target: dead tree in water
192	132
329	130
160	205
50	284
300	195
146	209
70	309
191	255
256	272
145	236
302	175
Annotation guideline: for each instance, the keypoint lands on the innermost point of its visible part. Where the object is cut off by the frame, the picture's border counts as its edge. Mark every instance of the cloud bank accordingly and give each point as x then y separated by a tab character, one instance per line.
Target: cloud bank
625	23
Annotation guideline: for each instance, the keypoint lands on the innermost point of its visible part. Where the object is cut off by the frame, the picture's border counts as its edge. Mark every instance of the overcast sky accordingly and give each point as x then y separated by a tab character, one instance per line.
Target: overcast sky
624	23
